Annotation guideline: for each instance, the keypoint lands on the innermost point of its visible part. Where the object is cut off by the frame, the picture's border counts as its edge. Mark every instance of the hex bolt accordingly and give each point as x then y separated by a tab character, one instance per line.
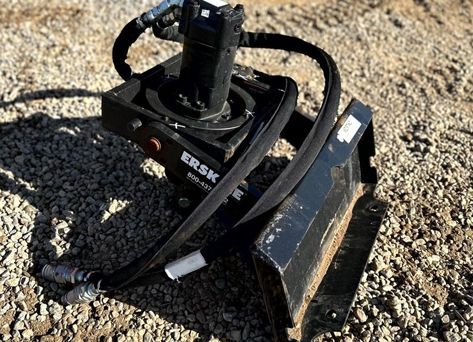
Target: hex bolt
200	105
182	98
134	124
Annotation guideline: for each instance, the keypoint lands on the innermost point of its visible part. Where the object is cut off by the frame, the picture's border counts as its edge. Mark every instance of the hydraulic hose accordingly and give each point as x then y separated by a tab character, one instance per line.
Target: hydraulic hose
323	124
161	18
127	37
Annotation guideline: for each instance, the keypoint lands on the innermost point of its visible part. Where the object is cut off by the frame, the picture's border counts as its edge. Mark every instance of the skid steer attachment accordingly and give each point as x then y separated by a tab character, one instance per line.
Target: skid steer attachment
210	122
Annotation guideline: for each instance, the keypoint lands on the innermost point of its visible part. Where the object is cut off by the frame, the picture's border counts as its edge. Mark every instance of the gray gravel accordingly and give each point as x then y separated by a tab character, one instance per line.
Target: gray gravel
70	191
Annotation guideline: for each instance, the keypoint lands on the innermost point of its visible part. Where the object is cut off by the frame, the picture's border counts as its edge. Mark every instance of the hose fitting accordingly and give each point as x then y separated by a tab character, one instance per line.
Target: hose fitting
84	293
151	17
63	274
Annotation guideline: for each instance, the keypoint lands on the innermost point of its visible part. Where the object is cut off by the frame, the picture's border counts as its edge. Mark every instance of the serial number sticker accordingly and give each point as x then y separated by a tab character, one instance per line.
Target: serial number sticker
206	13
348	130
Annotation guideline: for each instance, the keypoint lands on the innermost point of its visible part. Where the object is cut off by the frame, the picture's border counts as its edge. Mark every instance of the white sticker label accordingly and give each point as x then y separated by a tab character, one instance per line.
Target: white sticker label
216	3
185	265
348	130
205	13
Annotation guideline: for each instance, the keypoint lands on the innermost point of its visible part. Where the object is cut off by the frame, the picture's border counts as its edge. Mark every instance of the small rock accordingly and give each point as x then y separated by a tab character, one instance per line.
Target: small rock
445	319
19	325
19	159
43	309
220	284
235	335
360	315
228	316
201	317
13	282
61	226
218	329
148	337
434	259
28	334
113	207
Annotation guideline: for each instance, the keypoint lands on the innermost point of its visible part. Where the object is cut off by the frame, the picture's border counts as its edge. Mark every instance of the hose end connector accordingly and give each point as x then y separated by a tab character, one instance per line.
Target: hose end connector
63	274
81	294
151	17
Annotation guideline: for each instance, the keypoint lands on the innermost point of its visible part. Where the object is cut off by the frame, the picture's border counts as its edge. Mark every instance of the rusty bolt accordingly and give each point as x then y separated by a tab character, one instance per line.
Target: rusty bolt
153	146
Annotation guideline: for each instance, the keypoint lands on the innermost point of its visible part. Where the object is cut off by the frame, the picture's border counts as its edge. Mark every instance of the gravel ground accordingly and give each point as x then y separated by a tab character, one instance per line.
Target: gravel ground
70	191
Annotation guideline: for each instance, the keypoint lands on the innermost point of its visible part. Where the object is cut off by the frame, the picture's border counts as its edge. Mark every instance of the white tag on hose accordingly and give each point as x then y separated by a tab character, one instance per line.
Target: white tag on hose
185	265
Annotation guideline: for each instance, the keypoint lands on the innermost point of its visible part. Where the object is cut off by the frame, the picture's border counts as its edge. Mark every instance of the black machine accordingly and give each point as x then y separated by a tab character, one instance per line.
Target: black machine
210	123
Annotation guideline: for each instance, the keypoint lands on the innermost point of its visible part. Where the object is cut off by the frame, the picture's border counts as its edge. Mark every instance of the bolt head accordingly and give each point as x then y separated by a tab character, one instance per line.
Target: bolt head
153	146
184	202
134	124
181	98
200	105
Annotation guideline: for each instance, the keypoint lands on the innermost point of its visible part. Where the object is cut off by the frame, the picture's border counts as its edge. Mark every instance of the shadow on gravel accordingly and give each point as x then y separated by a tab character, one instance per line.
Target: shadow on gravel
58	93
92	206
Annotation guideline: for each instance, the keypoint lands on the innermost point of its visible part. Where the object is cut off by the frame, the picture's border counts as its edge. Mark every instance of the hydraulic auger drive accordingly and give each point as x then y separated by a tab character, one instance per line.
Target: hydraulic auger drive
210	122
